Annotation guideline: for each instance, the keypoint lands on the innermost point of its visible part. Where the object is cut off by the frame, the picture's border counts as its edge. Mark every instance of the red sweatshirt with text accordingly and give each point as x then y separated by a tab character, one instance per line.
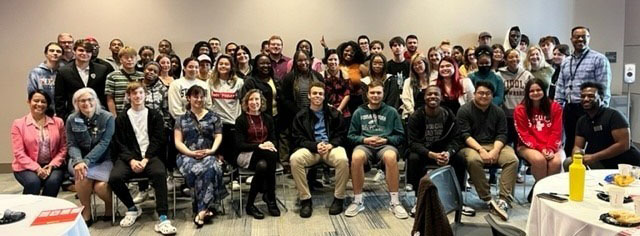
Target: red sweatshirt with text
541	132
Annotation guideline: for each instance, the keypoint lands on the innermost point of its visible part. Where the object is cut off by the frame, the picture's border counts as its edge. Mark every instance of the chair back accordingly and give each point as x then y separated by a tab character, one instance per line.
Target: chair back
503	230
444	178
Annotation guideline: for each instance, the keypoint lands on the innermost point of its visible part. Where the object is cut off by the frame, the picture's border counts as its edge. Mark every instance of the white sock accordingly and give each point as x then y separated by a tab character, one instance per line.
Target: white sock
358	198
394	198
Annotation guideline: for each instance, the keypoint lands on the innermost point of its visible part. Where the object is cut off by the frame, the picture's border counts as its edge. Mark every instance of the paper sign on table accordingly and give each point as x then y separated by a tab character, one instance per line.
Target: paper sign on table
57	216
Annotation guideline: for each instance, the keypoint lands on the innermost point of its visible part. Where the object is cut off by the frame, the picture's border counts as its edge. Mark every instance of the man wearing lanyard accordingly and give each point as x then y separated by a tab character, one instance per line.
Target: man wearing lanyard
584	65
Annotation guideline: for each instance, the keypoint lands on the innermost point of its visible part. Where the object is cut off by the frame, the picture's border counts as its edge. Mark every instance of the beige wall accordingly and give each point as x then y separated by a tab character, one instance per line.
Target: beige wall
632	55
26	26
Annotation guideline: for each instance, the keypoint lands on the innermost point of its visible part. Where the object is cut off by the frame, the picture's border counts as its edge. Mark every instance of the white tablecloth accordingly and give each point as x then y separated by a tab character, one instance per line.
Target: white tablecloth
574	218
32	205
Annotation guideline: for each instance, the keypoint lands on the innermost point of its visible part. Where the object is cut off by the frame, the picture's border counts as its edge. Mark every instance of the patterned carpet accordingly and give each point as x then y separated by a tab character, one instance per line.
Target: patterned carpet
375	220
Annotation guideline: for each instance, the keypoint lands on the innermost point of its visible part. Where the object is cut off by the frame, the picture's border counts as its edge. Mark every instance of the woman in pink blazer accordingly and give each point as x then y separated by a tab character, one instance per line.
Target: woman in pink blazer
39	147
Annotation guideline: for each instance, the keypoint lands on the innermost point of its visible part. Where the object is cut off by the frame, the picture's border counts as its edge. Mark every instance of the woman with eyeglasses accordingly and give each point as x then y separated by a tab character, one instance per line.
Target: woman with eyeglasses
470	63
89	131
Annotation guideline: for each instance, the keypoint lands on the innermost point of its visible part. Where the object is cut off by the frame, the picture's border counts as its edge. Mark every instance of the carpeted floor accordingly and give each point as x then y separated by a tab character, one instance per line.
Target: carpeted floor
375	220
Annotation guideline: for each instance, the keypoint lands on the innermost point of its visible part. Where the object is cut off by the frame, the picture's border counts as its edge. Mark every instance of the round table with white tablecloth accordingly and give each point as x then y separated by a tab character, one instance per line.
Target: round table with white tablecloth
574	218
32	205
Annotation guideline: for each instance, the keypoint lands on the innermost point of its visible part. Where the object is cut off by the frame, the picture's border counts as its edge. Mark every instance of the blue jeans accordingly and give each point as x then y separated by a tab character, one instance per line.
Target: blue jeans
32	183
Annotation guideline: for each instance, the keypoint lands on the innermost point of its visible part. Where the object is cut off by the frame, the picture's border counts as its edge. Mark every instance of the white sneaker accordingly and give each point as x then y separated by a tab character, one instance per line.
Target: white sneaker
408	188
235	185
249	179
165	228
141	196
379	176
354	208
398	211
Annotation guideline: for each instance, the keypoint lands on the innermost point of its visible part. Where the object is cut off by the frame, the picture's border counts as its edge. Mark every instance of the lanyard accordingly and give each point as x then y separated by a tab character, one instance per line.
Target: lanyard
572	72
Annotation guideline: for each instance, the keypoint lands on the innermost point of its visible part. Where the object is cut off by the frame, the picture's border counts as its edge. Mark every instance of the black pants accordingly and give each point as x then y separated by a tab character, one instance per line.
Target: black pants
416	168
154	170
263	162
570	115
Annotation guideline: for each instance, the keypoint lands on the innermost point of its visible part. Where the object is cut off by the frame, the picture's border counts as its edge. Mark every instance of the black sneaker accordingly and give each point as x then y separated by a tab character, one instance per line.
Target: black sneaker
306	208
336	206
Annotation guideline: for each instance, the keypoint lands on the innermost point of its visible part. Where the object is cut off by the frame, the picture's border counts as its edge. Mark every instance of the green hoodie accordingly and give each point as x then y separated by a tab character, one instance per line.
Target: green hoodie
384	122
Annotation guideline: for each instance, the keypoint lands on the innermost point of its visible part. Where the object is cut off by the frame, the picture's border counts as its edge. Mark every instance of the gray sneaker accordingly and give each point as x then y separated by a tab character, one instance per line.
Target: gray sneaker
354	208
500	208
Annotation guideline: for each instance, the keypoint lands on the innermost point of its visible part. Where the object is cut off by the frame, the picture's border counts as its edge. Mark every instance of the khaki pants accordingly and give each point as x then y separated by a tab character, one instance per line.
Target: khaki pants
336	158
507	160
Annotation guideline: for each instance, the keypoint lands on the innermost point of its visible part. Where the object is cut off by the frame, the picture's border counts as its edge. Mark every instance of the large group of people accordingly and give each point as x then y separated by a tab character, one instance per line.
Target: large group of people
138	114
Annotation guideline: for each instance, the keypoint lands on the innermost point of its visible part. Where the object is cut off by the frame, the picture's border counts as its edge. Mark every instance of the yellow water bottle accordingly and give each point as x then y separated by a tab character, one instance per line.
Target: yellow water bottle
576	177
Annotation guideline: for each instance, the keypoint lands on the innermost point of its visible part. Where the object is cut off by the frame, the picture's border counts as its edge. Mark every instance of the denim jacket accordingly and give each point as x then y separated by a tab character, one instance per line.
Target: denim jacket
88	139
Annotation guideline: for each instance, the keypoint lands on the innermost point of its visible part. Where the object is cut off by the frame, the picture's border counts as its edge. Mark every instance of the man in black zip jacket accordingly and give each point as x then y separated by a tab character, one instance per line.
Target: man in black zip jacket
318	133
139	140
432	132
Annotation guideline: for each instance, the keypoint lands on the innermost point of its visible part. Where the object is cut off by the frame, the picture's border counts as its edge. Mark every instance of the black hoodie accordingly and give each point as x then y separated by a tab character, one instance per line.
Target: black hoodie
417	128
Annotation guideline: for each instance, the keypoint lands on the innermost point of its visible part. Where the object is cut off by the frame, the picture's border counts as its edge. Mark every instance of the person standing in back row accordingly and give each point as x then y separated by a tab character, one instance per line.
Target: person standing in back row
582	66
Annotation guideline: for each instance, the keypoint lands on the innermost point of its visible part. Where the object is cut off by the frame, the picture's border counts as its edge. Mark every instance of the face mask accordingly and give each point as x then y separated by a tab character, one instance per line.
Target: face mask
484	69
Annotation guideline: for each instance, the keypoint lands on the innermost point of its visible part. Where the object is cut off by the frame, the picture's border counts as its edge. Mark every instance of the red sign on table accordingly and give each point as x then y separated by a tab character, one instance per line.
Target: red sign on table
57	216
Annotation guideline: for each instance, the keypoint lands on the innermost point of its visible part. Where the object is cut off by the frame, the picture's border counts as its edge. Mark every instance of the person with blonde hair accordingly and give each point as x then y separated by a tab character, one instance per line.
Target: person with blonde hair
255	139
118	80
534	62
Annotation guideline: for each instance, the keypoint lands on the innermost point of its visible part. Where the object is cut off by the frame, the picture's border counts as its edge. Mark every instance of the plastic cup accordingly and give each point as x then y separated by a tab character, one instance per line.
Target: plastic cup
616	196
625	169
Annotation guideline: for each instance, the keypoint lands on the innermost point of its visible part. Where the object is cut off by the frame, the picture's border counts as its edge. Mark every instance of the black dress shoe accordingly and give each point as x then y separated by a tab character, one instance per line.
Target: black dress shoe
306	208
255	212
272	207
336	206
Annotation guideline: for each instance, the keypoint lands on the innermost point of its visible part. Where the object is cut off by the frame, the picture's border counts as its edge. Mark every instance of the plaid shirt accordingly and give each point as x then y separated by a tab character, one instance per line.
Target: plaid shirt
156	99
594	67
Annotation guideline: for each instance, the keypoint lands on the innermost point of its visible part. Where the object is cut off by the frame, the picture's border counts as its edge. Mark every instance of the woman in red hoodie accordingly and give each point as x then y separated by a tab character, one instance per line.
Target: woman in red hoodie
538	121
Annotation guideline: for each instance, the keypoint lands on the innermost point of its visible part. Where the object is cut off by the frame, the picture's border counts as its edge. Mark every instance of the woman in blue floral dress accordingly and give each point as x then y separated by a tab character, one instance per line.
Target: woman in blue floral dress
198	134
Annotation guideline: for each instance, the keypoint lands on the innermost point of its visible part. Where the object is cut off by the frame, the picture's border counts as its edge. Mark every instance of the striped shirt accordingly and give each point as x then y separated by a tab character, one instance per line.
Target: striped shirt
116	86
588	66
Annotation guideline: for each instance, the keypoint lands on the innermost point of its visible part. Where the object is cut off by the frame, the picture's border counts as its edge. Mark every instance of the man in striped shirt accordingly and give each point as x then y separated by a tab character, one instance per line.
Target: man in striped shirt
118	81
583	65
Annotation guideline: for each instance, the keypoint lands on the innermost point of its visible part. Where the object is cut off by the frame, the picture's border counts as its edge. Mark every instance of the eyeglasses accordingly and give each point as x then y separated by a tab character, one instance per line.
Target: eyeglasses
484	93
85	100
